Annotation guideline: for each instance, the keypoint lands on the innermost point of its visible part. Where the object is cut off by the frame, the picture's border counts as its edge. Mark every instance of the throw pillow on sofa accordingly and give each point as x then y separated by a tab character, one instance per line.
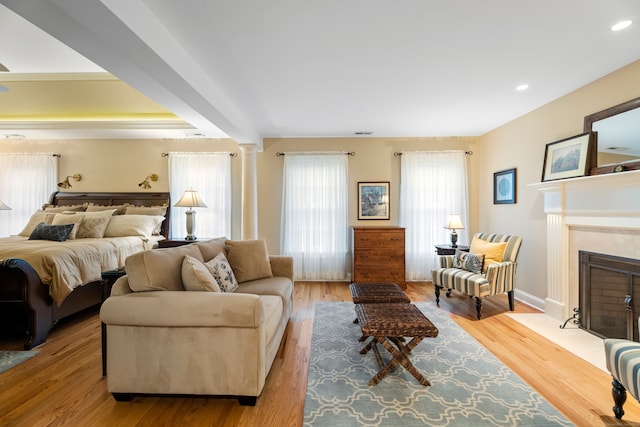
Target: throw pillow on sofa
492	252
197	277
468	261
249	259
221	271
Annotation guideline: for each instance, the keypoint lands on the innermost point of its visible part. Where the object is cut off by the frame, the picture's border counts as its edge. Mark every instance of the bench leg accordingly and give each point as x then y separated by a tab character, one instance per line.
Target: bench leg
399	357
619	397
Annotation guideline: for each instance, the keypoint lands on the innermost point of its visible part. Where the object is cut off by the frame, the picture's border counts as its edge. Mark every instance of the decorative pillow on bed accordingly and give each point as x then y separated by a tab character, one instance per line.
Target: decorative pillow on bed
94	224
132	225
221	271
36	218
468	261
249	259
148	210
197	277
119	209
53	208
65	218
56	233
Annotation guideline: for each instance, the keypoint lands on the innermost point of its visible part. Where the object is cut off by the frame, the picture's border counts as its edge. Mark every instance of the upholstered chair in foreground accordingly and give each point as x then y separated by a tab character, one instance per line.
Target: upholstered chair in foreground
623	361
489	268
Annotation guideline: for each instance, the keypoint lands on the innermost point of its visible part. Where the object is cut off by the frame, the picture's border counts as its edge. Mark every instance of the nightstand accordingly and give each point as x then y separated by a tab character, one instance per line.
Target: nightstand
177	241
449	250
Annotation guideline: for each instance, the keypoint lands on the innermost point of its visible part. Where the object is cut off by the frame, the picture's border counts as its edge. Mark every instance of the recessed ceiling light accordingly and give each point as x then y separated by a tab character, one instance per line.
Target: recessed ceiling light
522	87
621	25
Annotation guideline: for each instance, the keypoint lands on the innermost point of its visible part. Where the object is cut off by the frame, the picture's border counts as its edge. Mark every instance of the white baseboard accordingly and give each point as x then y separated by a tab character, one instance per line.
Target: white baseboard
530	300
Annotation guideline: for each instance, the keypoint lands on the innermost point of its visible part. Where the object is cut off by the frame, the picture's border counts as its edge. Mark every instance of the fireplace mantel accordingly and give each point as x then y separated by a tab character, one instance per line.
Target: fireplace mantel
604	202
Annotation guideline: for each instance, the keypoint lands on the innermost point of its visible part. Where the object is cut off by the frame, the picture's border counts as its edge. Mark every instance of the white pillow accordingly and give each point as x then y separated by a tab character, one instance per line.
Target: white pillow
196	277
132	225
65	218
221	271
93	224
37	217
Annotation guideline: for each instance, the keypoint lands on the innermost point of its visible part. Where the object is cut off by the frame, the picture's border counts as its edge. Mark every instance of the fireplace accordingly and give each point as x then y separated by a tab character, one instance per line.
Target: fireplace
599	214
609	288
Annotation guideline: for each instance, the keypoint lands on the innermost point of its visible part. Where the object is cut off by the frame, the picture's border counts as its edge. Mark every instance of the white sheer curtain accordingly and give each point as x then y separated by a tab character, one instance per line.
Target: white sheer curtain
26	183
433	185
315	215
210	175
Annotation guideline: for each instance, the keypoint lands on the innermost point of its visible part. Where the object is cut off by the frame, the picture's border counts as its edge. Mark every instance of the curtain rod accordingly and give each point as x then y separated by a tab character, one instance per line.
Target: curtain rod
468	153
204	152
346	153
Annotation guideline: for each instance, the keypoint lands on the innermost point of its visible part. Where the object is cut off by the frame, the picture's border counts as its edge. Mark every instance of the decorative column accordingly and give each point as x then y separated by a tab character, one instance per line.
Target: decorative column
249	192
555	304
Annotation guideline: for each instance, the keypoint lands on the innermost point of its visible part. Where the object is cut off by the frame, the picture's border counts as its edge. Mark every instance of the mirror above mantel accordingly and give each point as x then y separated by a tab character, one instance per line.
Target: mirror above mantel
618	130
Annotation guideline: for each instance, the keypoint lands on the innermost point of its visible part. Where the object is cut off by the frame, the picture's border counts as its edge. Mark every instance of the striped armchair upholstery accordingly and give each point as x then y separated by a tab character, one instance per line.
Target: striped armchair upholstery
623	361
499	277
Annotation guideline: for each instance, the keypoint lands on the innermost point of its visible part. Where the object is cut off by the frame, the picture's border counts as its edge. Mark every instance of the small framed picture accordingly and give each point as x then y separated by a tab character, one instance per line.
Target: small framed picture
570	157
504	187
373	200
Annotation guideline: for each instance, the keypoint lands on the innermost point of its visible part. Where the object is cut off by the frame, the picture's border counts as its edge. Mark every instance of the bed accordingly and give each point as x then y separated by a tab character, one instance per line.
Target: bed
31	304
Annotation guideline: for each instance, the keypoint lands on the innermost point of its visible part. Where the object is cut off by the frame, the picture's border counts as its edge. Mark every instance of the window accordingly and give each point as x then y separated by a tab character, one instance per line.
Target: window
315	215
27	180
433	185
210	175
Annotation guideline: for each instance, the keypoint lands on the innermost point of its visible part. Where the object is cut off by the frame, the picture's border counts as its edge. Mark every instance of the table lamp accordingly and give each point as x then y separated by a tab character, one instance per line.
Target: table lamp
190	199
454	223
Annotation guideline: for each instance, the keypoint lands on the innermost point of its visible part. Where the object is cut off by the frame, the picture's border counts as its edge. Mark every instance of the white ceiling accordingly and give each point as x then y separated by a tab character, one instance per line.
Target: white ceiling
304	68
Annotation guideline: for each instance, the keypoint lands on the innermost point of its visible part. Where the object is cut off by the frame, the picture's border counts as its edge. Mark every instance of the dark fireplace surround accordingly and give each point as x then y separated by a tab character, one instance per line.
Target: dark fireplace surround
609	292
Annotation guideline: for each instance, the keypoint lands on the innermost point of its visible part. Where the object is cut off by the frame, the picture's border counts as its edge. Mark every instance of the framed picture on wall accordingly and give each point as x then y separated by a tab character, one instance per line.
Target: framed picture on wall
504	187
373	200
570	157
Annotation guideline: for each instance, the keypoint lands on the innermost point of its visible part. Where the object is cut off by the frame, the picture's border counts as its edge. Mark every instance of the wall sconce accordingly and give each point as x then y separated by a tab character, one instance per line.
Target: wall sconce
145	184
454	222
66	184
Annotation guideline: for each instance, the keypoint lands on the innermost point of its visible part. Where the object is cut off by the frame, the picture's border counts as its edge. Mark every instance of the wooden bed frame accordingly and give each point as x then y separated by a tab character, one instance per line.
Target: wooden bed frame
25	304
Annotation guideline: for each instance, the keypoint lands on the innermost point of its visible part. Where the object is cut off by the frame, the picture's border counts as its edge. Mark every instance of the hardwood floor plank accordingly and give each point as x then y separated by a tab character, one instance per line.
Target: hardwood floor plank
63	386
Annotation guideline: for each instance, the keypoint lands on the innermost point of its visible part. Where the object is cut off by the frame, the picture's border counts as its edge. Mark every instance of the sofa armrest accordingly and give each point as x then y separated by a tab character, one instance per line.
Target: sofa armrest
184	309
497	269
282	266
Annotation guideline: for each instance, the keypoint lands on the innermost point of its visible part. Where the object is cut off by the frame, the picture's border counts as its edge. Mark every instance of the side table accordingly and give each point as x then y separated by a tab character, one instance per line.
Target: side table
172	243
108	279
450	250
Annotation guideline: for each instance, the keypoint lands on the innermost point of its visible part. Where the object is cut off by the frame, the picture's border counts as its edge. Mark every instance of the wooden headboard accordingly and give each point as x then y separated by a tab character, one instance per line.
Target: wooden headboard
59	198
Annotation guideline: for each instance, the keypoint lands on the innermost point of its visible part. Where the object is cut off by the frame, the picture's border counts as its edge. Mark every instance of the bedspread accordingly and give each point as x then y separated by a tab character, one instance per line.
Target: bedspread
66	265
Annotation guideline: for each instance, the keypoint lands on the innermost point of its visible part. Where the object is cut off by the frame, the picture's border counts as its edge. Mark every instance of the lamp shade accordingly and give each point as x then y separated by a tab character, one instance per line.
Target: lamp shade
454	222
190	199
4	207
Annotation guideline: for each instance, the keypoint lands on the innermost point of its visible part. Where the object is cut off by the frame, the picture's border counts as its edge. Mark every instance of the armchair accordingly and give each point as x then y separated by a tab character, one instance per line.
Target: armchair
496	278
623	362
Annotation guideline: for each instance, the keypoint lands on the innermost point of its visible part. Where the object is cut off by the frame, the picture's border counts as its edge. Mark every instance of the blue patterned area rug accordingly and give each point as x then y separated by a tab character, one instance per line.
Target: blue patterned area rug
9	359
469	386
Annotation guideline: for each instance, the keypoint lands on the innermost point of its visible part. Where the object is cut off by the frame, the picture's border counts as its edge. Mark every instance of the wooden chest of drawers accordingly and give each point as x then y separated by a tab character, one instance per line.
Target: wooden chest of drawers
378	255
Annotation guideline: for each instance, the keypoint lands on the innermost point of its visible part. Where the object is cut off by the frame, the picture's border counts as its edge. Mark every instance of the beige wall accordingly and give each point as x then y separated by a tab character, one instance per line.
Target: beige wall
374	160
119	165
521	144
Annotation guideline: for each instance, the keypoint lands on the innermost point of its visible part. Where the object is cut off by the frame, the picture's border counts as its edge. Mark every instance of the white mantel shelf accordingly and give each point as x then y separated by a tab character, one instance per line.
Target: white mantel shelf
608	201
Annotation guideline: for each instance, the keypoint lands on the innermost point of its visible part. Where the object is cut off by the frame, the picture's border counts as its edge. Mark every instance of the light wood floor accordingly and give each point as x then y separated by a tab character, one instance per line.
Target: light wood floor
63	386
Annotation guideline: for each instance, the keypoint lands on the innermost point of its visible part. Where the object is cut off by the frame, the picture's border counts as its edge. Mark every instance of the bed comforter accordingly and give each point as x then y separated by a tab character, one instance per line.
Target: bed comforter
64	266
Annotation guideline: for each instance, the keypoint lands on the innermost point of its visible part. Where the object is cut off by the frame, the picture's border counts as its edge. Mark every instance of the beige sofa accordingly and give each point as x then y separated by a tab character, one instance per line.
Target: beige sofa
162	339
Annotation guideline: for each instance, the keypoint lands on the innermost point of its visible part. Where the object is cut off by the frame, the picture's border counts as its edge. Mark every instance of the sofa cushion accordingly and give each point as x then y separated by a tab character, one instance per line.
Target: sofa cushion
492	251
249	259
196	276
280	286
211	248
468	261
221	271
158	269
272	309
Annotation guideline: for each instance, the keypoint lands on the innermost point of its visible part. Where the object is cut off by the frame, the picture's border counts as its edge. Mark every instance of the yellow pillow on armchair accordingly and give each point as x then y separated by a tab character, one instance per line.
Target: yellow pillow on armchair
492	252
